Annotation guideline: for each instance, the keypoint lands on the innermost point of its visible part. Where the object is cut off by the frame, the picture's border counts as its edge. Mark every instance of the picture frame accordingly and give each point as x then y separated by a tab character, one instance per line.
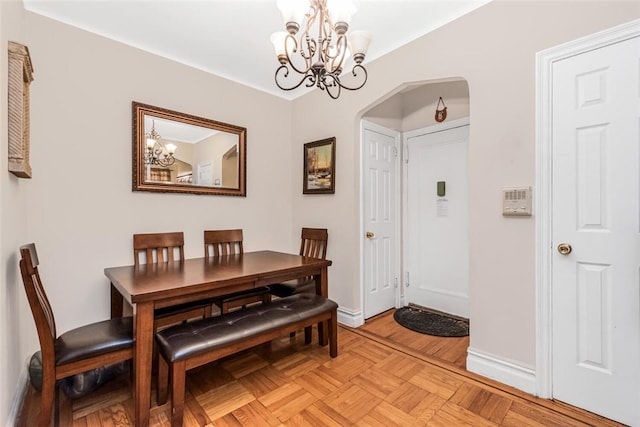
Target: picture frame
319	171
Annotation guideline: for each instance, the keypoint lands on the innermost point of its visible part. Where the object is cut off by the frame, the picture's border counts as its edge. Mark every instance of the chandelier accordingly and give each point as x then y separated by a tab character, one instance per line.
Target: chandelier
320	56
157	154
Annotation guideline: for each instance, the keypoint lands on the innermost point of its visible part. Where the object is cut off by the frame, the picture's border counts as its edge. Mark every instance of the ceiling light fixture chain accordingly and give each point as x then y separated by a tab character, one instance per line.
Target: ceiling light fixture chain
320	58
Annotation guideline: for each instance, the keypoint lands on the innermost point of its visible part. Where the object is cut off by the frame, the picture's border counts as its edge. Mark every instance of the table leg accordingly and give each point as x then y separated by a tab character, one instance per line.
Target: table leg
117	303
143	332
322	286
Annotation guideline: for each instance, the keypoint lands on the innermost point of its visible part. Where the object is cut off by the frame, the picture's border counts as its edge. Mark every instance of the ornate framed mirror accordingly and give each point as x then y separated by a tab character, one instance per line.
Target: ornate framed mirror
179	153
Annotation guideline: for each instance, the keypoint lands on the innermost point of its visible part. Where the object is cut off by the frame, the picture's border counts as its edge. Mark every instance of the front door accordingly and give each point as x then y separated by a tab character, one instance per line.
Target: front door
596	231
437	218
380	205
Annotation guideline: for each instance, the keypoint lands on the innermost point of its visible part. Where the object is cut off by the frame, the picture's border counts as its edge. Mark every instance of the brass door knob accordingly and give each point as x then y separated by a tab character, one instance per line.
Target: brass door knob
369	235
564	248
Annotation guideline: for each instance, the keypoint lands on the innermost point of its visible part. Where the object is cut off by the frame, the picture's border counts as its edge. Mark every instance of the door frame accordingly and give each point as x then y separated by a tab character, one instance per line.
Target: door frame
397	135
544	183
440	127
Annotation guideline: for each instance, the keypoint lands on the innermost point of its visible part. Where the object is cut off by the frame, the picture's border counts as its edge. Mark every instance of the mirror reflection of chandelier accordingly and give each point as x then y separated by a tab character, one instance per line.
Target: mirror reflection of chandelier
156	153
319	56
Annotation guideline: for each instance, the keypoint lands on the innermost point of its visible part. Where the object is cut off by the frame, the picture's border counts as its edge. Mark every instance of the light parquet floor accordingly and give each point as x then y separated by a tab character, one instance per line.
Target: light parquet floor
372	382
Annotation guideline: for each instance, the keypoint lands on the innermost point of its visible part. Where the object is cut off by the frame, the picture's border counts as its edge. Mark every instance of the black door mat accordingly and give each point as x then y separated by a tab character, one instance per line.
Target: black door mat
431	323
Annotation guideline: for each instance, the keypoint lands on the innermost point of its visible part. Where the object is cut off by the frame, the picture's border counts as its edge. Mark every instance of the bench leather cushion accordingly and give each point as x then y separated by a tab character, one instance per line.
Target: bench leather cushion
94	339
192	338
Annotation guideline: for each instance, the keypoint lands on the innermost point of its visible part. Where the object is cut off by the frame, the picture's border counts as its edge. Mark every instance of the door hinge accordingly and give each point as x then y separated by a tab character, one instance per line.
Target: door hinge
405	155
406	279
395	282
395	151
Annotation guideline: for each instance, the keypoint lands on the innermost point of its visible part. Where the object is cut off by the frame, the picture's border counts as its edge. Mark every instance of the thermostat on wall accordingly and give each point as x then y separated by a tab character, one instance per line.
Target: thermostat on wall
516	201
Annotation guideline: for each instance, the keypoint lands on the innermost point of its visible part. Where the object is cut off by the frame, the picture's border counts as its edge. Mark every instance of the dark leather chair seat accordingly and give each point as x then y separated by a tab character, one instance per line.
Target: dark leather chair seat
189	339
238	296
290	287
94	339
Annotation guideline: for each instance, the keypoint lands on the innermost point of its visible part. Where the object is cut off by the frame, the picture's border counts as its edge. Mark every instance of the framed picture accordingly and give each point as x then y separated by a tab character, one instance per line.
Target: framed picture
319	173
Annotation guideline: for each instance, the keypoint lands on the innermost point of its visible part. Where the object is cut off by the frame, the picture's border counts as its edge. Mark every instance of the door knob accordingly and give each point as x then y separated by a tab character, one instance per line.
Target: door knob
369	235
564	248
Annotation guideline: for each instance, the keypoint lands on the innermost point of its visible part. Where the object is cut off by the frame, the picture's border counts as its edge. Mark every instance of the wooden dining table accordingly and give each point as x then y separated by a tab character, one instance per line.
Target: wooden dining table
149	287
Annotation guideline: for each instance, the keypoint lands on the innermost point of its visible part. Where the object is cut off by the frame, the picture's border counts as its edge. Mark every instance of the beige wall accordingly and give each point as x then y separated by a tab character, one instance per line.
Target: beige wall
415	107
12	230
493	49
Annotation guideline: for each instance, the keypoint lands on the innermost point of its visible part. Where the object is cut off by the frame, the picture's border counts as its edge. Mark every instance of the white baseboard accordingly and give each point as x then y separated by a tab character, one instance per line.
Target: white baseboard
350	318
18	398
501	370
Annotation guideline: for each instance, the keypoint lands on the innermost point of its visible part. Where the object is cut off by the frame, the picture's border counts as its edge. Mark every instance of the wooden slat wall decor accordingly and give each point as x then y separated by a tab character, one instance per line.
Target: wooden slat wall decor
20	78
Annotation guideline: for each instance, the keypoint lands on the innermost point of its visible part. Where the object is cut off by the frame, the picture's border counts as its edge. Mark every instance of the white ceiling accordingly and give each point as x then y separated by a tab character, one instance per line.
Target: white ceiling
230	38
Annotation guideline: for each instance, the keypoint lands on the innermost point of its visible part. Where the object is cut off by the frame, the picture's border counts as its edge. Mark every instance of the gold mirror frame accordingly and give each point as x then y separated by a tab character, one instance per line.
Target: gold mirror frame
140	183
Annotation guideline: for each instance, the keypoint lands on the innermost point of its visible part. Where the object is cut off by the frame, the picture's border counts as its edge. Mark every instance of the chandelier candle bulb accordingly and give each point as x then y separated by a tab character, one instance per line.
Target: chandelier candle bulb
359	42
278	40
293	12
316	45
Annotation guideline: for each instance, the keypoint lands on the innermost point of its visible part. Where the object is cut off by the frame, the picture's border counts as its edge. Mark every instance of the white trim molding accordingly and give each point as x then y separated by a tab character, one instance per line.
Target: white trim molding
350	318
501	370
545	61
18	398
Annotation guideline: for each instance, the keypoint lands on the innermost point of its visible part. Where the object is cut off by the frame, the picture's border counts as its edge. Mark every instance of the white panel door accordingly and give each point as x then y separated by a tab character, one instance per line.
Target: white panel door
595	288
381	246
437	227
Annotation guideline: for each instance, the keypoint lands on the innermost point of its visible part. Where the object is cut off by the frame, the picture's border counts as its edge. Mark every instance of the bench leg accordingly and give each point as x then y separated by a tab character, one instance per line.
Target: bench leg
333	334
162	388
322	333
178	380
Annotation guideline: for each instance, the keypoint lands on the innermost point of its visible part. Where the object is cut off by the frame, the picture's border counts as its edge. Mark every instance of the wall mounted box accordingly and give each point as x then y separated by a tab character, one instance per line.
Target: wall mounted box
516	201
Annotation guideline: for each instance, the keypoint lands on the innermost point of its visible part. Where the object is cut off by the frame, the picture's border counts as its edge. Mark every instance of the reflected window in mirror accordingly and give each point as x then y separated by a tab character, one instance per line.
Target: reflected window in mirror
178	152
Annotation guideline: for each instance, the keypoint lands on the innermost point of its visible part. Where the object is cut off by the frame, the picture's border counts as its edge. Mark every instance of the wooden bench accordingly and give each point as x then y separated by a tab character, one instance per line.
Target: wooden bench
194	344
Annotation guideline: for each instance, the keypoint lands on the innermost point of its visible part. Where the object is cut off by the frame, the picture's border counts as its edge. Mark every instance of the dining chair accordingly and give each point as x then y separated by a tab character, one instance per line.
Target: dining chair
78	350
158	248
313	244
229	242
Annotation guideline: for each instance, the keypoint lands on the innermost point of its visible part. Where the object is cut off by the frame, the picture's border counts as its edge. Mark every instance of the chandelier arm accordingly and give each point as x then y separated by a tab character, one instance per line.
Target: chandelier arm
307	60
354	72
338	89
335	62
283	70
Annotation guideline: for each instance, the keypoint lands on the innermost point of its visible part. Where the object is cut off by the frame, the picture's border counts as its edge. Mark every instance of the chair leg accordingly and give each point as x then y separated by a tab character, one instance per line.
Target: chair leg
208	311
333	334
162	388
56	407
46	400
307	335
64	409
178	380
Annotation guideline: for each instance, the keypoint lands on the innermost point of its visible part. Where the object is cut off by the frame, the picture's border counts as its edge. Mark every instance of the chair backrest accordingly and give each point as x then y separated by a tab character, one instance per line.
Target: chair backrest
158	247
313	242
39	303
222	242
